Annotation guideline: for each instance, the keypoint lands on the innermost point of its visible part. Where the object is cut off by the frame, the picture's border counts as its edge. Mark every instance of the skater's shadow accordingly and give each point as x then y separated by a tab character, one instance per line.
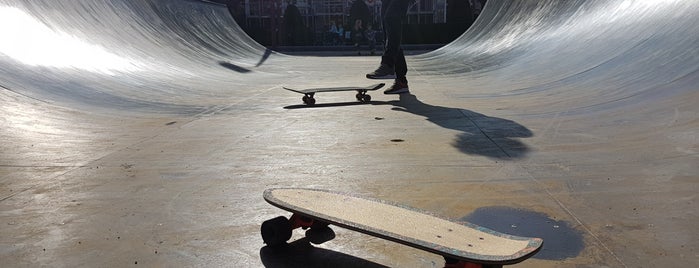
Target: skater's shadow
240	69
301	253
479	134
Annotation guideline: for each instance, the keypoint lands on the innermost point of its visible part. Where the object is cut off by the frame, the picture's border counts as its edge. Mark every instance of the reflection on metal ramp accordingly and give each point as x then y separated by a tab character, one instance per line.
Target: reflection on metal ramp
36	44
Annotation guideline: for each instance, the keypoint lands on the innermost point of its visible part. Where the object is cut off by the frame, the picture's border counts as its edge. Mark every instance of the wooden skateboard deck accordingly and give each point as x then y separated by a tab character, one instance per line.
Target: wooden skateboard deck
309	93
460	242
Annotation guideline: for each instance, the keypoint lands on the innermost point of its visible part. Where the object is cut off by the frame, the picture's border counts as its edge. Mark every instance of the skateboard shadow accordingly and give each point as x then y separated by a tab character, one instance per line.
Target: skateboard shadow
335	104
301	253
233	67
480	134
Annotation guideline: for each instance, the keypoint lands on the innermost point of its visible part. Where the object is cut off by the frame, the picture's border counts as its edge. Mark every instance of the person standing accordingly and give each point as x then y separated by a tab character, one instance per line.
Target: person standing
393	65
370	35
358	35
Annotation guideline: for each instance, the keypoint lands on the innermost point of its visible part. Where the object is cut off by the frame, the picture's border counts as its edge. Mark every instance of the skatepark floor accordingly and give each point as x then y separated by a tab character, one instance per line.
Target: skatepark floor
149	140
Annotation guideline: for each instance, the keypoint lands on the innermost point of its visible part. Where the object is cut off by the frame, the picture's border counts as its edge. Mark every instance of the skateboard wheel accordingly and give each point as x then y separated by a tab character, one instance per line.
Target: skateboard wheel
276	231
309	100
363	97
360	96
320	235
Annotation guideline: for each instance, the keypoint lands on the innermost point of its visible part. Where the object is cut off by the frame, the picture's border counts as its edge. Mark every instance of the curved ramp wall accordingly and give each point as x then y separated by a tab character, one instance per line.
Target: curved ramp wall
125	54
575	55
585	110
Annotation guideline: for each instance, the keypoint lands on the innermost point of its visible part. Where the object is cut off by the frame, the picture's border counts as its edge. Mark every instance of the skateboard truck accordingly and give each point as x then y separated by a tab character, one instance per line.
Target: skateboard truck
298	221
454	263
278	230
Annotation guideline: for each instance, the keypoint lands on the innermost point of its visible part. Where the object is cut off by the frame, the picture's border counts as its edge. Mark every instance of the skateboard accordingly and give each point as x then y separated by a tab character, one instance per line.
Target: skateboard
461	244
362	95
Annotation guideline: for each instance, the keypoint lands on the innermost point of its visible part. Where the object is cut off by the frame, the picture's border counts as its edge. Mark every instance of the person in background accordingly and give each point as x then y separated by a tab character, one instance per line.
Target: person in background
358	35
393	65
333	33
341	34
370	35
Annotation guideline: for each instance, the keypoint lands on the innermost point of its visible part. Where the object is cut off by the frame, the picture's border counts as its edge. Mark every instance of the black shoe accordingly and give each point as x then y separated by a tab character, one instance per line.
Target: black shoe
398	87
383	72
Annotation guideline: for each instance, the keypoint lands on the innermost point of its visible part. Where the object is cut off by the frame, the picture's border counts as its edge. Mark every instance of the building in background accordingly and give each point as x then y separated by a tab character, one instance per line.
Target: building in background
330	22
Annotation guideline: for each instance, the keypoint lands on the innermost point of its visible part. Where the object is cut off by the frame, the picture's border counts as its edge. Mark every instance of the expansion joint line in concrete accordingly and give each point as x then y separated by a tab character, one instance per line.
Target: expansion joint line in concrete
569	212
555	122
484	134
560	204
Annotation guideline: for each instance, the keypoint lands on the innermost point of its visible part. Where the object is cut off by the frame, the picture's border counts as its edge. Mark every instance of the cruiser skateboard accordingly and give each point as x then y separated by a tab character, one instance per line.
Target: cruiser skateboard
361	96
461	244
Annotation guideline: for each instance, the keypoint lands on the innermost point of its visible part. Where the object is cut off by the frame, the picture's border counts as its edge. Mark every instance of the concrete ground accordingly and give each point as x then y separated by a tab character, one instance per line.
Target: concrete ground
565	124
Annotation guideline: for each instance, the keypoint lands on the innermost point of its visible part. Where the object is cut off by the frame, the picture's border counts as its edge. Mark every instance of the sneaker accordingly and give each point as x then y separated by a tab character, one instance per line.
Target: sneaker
383	72
398	87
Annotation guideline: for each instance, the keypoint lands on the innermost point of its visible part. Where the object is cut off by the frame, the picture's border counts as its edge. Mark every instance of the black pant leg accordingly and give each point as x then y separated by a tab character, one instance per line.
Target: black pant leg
393	12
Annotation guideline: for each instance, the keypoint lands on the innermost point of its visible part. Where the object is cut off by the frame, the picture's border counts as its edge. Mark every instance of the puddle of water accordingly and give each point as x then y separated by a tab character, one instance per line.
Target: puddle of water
561	241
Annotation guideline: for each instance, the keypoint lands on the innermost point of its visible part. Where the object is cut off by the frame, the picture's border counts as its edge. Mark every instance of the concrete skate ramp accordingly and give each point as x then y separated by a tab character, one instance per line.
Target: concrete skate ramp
144	133
125	54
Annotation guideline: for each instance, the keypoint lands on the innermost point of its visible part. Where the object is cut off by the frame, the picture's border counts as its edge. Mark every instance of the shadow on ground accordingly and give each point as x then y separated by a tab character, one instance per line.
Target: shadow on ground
480	134
561	241
242	70
301	253
334	104
233	67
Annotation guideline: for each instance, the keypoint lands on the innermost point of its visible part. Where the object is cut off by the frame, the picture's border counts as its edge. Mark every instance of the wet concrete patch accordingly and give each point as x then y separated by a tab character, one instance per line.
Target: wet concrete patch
561	241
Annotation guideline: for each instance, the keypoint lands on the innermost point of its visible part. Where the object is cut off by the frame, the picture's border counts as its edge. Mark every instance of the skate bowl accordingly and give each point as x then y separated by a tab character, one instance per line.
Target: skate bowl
144	133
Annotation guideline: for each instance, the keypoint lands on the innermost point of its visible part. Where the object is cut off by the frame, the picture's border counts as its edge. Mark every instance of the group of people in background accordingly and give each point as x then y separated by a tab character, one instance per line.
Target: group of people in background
357	35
